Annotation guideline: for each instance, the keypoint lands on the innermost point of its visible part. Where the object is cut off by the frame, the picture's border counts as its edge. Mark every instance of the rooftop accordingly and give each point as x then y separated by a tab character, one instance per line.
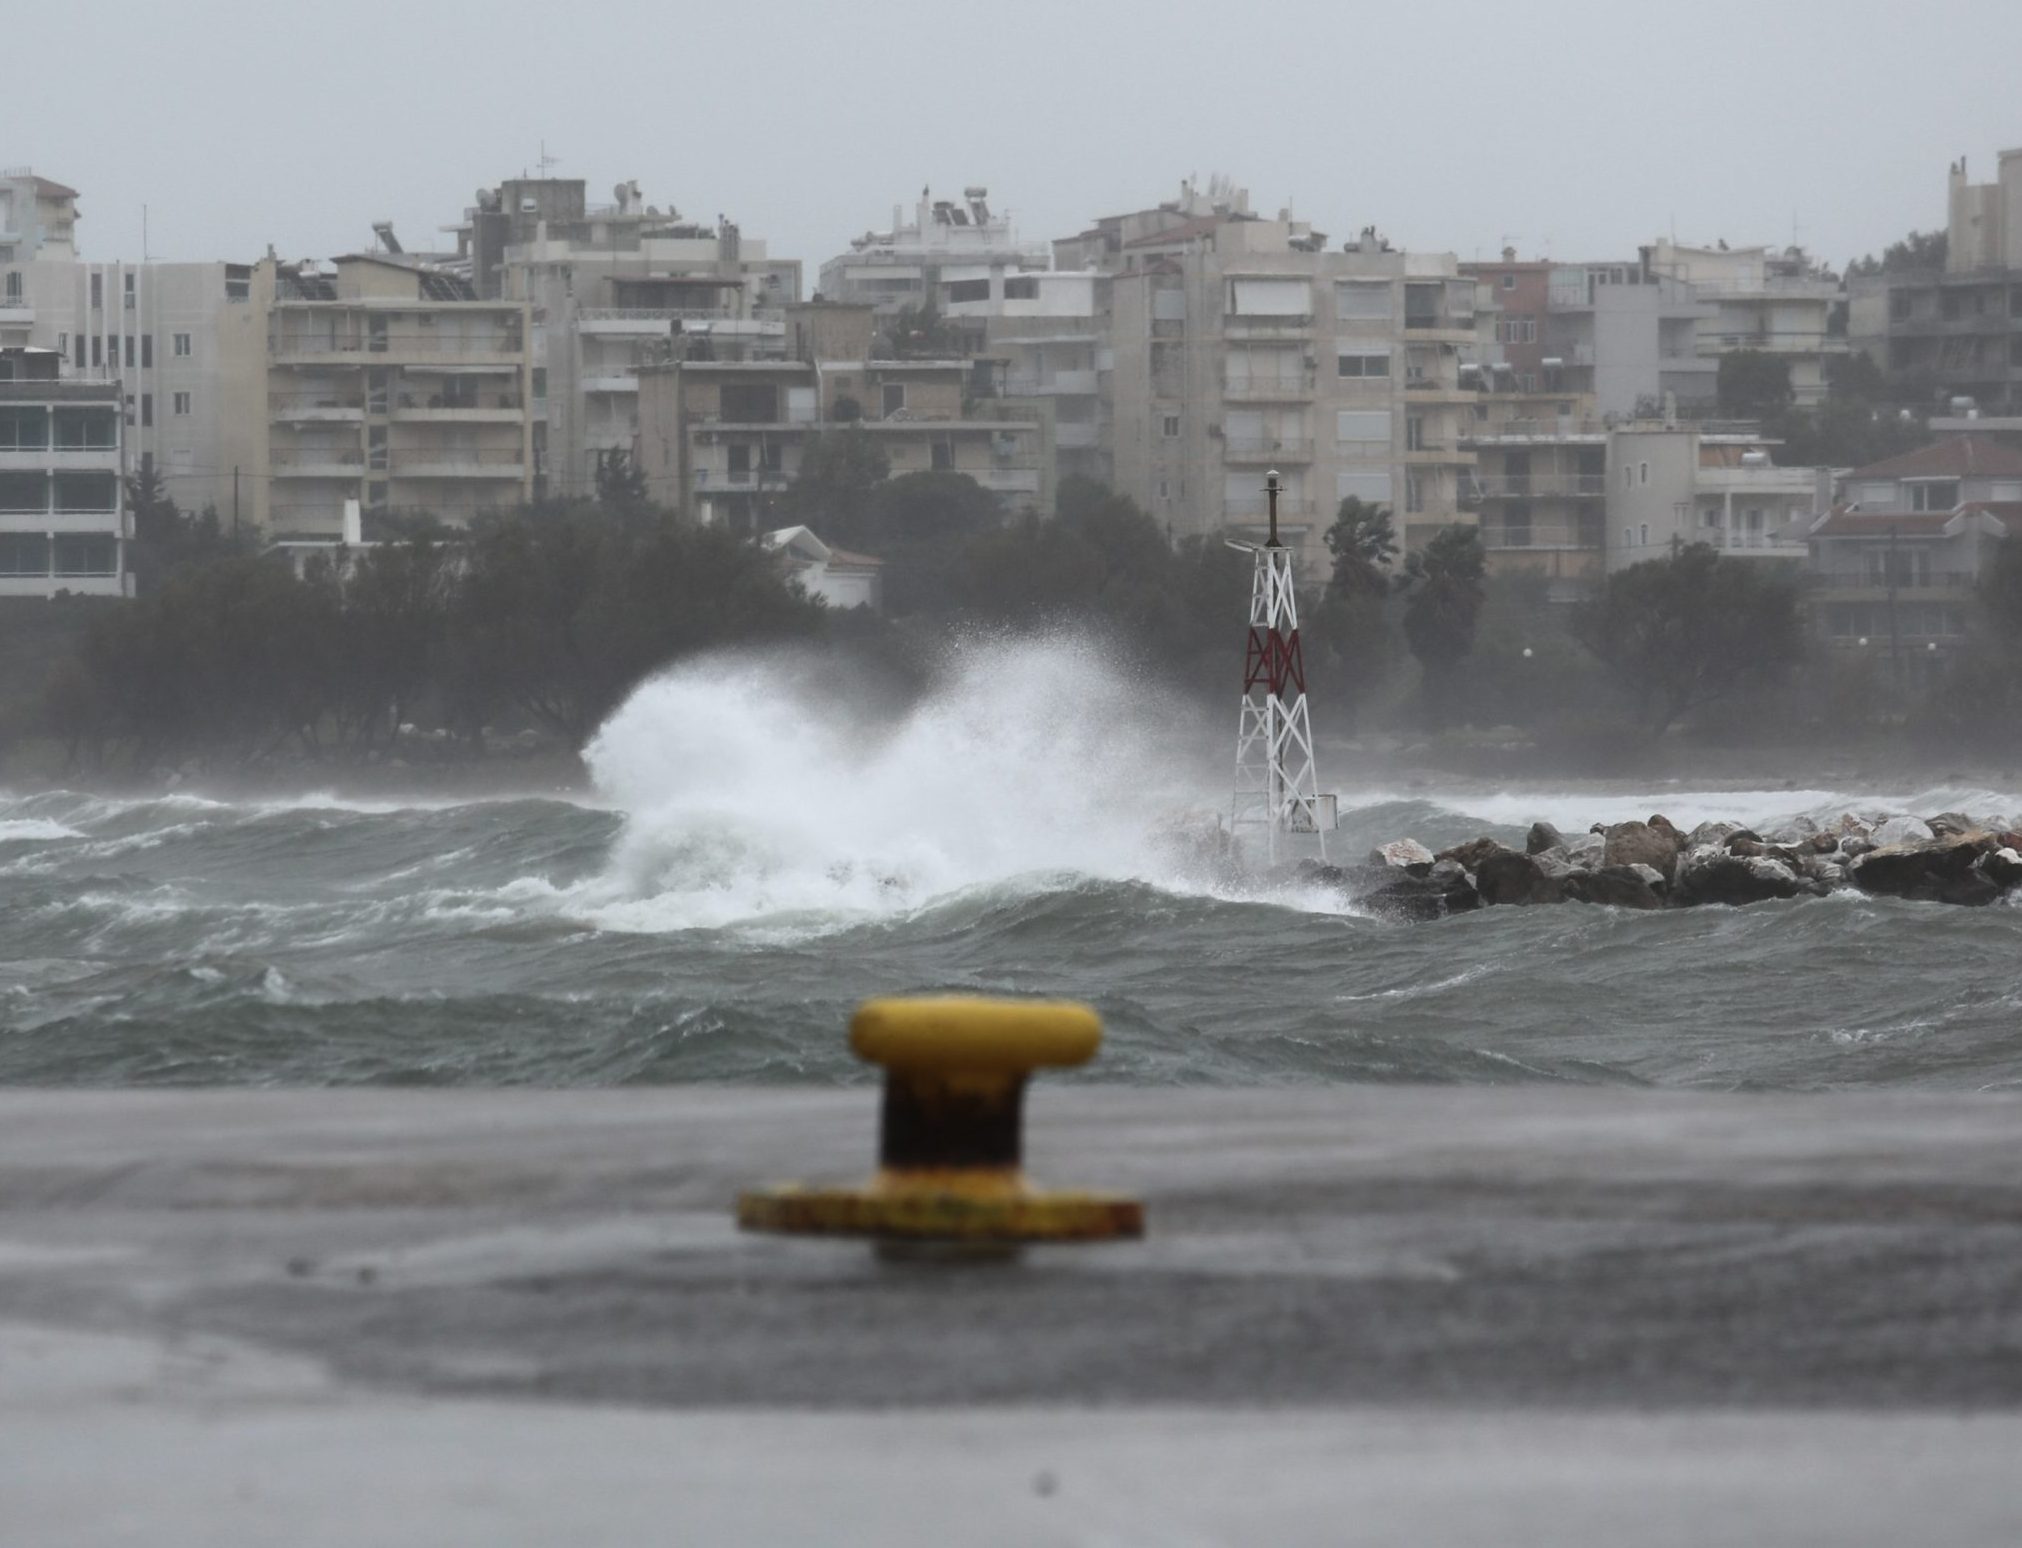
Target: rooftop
1963	456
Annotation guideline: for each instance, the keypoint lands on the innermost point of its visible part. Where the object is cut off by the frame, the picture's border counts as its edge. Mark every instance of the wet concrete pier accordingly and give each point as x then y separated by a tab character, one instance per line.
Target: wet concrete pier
1384	1315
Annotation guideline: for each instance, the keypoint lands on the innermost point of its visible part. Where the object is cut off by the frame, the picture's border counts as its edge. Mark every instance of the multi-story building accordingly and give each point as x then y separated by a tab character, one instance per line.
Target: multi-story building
1774	302
1049	330
1892	565
63	523
1672	485
906	265
1955	337
38	218
1238	345
614	287
389	382
720	440
1628	338
1540	486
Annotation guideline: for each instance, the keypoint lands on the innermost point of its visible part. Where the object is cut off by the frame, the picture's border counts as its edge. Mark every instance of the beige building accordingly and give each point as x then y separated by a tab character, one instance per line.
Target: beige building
63	519
390	383
1239	344
906	264
1674	485
720	440
1540	487
614	287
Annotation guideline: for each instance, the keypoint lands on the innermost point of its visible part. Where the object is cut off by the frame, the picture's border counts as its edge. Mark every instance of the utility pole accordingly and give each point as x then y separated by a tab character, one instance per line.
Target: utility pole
1277	784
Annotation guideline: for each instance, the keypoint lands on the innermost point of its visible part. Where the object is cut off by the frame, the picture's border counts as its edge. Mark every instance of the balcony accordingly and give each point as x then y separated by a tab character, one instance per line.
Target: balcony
458	462
1515	537
1268	387
1438	454
629	383
1247	326
1767	480
1266	449
1542	486
1058	384
318	462
313	408
1070	436
646	321
60	521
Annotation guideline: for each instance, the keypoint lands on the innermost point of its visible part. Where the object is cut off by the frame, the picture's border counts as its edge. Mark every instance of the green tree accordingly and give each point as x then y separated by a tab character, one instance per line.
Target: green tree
1921	252
1363	541
2001	592
1682	631
832	492
1444	592
1753	384
920	333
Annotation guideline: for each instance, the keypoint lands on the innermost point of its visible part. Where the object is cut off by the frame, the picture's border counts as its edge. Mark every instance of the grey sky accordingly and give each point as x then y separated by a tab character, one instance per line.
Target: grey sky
1574	128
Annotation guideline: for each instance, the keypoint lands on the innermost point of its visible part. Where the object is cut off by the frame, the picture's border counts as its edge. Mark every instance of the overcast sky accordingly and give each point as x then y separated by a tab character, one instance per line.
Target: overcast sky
1570	129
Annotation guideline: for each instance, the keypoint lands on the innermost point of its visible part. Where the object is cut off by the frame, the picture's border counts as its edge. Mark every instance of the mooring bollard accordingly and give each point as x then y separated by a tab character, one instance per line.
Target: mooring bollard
949	1178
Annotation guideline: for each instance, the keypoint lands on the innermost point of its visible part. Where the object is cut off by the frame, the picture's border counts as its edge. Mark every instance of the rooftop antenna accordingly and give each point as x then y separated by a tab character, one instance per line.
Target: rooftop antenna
546	162
1277	783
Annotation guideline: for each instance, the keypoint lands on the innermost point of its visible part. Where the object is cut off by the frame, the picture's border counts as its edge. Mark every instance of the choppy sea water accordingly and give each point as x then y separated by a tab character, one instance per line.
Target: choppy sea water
751	864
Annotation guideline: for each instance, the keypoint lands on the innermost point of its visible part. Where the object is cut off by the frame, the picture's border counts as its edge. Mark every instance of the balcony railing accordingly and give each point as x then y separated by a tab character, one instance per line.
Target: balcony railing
1269	384
1505	537
1264	448
1562	486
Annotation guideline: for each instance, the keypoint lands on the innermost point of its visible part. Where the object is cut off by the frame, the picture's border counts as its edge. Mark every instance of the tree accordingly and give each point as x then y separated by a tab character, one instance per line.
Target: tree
2001	592
1363	541
621	482
1921	252
832	492
920	333
1753	384
1443	603
1680	632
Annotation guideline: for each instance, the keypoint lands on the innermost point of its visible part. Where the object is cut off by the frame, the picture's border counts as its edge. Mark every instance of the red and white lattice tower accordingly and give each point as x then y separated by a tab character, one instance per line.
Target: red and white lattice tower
1277	784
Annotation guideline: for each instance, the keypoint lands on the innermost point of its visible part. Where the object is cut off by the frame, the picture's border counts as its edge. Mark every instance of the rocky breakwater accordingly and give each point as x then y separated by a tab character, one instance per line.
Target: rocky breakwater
1951	858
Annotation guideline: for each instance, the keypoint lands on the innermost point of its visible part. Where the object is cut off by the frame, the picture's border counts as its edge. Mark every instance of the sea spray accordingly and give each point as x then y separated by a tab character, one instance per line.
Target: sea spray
745	796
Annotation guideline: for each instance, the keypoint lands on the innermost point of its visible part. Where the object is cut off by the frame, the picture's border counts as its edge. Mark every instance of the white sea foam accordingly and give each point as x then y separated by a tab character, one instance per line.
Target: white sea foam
34	830
747	800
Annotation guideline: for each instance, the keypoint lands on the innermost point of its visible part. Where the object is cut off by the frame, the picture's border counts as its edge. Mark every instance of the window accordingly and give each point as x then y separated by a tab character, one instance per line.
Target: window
87	553
147	351
1021	287
1509	282
1362	300
24	553
893	396
1373	488
1933	494
1628	476
97	291
1628	537
1270	298
95	493
97	350
750	403
129	292
1642	472
63	344
1414	432
181	405
1164	490
968	290
1644	533
179	346
129	352
87	429
24	429
80	352
1414	493
1363	430
1362	362
942	454
13	284
146	409
1171	428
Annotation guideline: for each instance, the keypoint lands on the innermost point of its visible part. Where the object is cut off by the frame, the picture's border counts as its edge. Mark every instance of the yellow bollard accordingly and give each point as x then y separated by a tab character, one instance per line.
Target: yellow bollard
950	1149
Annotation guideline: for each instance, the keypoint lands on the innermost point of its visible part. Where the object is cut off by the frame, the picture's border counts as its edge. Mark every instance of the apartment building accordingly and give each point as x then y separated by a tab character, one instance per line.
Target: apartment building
1540	486
1772	301
1239	344
1672	485
1628	338
720	440
389	382
1891	566
906	264
1955	337
1049	330
63	521
614	287
38	218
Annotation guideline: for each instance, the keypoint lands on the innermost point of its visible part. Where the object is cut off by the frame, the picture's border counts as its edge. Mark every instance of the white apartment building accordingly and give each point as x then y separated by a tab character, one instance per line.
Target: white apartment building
905	264
1049	330
38	218
1240	345
1670	486
63	521
1774	301
614	287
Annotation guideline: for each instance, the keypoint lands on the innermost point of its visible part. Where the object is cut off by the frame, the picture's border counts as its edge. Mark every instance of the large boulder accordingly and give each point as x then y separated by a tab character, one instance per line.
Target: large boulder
1709	833
1471	854
1402	854
1586	850
2002	867
1941	870
1902	830
1543	836
1391	893
1714	875
1507	877
1637	843
1617	886
1953	825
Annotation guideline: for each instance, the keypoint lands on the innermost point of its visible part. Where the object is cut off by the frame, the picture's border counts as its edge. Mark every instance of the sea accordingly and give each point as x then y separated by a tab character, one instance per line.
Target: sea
756	852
